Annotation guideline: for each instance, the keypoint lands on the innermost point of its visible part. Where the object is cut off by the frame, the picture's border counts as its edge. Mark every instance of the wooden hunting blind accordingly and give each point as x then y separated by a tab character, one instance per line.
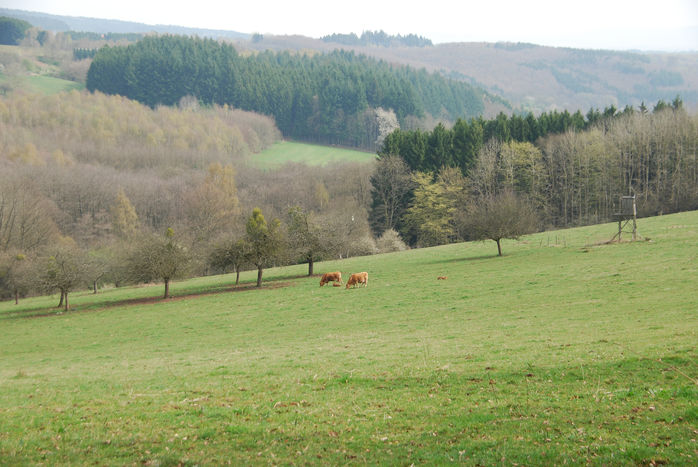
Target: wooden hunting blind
626	215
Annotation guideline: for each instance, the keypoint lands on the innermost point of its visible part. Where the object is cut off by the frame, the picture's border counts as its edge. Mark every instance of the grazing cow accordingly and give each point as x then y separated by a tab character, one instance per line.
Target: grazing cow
358	279
331	277
441	278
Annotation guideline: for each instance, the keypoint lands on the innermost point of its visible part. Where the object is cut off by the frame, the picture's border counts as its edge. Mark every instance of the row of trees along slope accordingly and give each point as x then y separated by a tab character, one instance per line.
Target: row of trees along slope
141	257
327	98
459	145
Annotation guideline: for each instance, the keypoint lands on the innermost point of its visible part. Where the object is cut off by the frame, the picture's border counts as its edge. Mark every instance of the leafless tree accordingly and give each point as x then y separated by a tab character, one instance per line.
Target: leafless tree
392	184
15	274
159	258
496	217
62	267
26	218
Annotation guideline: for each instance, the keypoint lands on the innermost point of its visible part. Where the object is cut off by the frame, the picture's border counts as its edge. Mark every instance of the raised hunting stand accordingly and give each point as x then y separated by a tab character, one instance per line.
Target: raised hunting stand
628	213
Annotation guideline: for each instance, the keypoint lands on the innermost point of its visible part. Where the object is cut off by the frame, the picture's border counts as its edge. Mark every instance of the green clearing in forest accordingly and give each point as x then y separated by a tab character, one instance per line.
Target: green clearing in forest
310	154
564	350
51	85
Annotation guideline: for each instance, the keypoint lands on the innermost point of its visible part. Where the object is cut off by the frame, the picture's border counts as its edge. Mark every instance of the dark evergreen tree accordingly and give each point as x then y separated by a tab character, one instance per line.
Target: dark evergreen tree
12	30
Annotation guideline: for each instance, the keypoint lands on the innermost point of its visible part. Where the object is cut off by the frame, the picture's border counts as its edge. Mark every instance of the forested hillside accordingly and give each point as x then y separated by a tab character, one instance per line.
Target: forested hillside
105	173
113	131
59	23
523	77
459	145
529	77
328	98
568	169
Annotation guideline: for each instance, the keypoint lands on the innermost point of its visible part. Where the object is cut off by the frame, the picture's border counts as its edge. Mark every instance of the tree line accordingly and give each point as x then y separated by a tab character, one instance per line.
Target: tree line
379	38
459	145
83	54
12	30
429	186
328	98
45	262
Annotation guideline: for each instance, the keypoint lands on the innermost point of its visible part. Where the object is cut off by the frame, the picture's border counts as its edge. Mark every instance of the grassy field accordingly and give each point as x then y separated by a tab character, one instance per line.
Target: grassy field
311	154
51	85
561	351
25	68
41	84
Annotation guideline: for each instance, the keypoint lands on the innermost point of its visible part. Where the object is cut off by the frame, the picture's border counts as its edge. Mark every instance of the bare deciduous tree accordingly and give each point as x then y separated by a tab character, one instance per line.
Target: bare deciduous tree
159	258
62	268
392	184
309	238
233	254
26	220
496	217
15	274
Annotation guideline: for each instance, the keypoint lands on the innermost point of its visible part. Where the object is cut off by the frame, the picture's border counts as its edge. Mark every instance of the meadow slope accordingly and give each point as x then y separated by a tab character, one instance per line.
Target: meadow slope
562	351
285	152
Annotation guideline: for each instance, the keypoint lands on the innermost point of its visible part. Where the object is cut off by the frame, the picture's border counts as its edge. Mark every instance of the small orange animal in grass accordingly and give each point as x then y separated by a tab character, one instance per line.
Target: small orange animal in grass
358	279
335	284
331	277
441	278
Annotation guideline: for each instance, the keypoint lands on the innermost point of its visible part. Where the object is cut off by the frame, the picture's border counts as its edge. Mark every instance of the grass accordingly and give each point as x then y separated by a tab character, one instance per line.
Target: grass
32	71
310	154
50	85
558	352
42	84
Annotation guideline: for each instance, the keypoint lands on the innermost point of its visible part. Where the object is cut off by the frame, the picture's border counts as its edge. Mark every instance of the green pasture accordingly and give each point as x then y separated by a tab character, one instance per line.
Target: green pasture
563	351
41	84
24	68
51	85
310	154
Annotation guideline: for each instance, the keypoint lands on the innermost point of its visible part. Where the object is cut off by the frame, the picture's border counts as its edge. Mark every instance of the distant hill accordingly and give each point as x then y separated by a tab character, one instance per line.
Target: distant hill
521	77
539	78
59	23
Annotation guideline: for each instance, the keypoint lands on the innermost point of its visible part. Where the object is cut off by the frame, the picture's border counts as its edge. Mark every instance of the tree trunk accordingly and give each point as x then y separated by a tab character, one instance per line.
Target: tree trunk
167	288
60	302
66	300
237	276
310	266
499	246
259	276
94	286
16	297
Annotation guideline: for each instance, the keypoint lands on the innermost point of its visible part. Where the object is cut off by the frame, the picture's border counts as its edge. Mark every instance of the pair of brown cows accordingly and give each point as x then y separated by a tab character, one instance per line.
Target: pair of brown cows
336	279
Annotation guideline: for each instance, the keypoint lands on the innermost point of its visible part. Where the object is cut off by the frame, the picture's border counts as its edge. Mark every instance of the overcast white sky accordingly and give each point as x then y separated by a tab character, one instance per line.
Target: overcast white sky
598	24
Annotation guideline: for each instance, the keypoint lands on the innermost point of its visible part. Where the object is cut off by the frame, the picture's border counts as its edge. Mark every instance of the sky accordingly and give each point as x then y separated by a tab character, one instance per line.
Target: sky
657	25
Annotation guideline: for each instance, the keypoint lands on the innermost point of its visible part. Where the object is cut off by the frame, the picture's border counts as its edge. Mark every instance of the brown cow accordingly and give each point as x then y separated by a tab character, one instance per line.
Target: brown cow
358	279
331	277
441	278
